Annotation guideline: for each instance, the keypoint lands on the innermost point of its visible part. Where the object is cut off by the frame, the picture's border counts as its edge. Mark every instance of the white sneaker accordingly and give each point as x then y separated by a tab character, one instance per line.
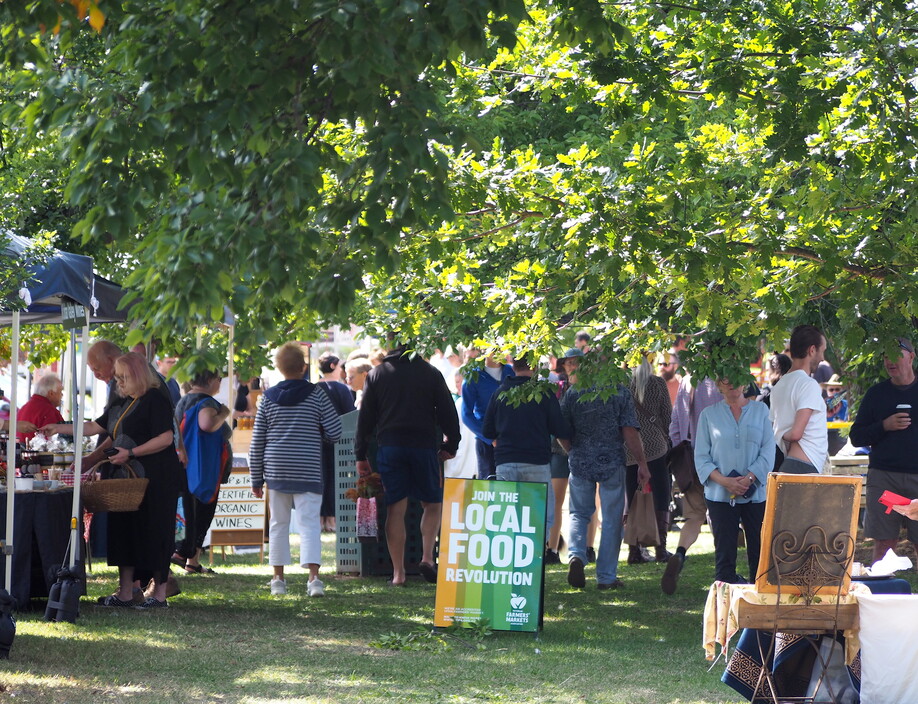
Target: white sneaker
278	587
315	588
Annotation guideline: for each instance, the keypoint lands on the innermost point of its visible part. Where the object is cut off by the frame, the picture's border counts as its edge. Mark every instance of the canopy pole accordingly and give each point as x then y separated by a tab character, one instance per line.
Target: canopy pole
71	370
11	452
230	371
78	442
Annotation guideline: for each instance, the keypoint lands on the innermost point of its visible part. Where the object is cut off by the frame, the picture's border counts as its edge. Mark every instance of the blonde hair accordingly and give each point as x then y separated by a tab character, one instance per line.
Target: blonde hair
360	365
136	368
289	359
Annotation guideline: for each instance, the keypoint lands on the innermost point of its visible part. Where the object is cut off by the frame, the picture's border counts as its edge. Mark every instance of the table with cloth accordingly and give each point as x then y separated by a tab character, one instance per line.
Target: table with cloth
889	647
791	652
41	532
880	653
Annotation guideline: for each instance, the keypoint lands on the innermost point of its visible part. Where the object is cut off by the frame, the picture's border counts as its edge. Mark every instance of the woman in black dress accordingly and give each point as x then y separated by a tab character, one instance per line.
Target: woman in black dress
343	401
139	420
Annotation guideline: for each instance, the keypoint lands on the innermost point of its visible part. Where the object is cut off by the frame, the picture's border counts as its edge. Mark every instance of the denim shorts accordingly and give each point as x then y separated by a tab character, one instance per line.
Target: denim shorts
559	468
409	471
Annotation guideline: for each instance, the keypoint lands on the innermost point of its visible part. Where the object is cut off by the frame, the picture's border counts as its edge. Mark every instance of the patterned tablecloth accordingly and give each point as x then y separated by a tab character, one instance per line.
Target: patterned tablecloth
720	614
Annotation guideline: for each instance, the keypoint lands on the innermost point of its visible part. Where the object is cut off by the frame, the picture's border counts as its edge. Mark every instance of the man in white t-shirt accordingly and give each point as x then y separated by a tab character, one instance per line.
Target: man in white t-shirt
797	407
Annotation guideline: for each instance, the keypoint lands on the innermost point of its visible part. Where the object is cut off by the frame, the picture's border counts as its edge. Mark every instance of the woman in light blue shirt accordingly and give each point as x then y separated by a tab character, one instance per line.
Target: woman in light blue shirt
734	451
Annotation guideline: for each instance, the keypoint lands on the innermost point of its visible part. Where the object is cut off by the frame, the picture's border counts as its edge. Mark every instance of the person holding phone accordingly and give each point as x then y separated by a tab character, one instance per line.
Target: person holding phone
734	452
908	510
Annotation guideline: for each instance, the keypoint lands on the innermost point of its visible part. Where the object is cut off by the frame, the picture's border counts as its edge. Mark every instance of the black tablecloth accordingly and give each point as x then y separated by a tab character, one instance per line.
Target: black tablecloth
41	531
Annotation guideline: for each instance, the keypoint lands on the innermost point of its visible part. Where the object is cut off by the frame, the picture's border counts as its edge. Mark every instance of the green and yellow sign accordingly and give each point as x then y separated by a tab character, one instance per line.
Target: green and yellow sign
492	544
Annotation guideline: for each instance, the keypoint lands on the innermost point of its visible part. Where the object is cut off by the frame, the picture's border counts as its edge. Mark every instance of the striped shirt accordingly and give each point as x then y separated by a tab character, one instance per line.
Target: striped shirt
286	448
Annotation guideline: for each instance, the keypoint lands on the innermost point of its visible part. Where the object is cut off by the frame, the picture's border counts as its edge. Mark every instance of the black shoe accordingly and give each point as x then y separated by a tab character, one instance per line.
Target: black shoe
671	574
638	555
615	584
575	576
114	601
591	555
151	603
428	572
552	557
662	554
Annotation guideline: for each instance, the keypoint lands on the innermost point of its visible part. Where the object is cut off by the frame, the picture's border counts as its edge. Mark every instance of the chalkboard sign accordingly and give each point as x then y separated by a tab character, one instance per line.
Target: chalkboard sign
809	532
73	315
240	515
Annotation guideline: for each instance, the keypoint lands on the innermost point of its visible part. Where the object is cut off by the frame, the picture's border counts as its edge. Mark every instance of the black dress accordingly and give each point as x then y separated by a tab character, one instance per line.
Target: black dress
343	401
145	538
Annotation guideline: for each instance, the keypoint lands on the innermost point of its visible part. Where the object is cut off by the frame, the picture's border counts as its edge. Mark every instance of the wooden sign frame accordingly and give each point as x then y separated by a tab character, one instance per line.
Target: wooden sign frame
237	492
808	510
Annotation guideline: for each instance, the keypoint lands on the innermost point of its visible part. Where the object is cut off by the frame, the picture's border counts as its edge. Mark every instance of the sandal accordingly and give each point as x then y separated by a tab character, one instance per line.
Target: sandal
428	572
198	569
180	561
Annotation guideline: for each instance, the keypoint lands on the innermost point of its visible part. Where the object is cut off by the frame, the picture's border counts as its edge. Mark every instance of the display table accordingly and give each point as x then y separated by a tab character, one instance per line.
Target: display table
880	650
41	531
726	612
740	608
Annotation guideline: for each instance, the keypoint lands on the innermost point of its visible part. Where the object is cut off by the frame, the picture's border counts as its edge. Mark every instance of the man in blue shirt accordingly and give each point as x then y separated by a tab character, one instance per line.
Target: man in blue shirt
522	434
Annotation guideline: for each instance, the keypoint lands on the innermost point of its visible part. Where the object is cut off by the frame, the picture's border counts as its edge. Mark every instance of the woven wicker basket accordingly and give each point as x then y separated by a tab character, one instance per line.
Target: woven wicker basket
114	495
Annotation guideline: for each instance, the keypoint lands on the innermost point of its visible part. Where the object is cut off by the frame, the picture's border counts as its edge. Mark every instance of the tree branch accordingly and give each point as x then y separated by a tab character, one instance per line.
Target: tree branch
525	215
879	273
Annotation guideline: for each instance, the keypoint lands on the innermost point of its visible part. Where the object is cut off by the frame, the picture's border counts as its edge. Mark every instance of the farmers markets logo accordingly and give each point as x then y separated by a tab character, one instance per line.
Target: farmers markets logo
517	616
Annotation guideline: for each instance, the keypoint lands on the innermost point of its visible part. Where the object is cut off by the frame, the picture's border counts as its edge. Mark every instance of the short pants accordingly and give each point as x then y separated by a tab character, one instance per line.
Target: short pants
409	471
877	524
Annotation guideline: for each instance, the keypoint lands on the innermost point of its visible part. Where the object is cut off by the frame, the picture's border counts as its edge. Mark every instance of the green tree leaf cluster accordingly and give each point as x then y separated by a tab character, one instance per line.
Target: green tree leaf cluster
496	172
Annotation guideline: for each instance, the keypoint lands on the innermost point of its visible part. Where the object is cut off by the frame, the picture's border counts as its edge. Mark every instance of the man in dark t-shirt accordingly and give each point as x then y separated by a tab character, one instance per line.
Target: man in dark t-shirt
884	422
408	408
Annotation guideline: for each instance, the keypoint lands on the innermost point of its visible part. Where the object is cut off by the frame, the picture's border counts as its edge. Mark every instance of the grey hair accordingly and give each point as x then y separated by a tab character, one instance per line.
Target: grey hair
639	378
47	384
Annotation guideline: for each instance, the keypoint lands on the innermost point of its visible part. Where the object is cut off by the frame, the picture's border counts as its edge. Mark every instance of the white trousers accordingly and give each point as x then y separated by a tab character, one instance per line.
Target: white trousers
309	526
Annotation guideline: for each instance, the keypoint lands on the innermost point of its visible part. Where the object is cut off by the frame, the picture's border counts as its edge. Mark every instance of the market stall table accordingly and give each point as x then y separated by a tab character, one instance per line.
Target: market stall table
876	617
889	648
41	531
733	609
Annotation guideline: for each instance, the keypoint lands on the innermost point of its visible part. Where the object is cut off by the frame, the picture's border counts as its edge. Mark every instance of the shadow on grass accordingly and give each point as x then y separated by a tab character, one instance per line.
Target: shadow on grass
226	639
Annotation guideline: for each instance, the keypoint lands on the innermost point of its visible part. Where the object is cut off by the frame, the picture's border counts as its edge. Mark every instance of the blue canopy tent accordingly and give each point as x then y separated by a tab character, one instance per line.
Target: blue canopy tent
65	278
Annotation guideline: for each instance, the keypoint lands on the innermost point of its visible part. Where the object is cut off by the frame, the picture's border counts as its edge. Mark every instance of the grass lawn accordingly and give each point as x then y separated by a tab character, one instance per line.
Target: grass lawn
226	639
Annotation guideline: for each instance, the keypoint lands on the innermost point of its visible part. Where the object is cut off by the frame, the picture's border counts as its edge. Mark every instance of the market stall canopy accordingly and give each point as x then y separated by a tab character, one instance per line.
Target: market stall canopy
63	276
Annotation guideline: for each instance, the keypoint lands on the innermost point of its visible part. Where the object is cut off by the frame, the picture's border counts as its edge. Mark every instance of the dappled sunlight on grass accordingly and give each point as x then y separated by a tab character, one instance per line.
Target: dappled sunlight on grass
272	674
164	637
602	647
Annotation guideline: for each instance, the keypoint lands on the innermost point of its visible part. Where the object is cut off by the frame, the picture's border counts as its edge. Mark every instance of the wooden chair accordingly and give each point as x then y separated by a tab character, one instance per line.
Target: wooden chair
808	558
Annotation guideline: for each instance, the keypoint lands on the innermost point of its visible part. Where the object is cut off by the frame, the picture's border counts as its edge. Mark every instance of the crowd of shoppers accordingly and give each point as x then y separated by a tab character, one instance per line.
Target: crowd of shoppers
592	446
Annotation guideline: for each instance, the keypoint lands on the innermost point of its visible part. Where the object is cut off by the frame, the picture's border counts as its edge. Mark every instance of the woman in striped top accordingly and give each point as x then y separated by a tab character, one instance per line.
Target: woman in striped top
292	420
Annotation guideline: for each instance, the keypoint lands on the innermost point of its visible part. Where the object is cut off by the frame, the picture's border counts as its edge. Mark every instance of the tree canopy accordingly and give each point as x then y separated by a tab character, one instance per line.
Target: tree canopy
492	170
